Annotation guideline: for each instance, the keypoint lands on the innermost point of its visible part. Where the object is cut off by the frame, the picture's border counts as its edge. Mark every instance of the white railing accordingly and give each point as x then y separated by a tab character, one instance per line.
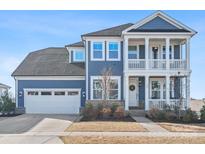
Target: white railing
136	64
177	64
157	64
160	103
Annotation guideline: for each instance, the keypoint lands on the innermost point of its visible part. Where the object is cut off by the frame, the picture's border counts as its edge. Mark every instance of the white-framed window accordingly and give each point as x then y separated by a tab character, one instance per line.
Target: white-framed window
59	93
97	51
46	93
171	52
113	51
133	52
155	89
78	56
172	84
97	92
32	93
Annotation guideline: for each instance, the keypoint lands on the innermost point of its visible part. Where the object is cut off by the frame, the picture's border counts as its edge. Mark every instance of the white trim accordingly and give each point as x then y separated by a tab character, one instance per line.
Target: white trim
16	92
107	51
50	77
86	69
74	56
100	77
163	16
103	51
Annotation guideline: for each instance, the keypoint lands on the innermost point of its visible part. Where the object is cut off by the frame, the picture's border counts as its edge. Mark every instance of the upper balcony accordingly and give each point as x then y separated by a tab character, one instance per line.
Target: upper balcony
157	54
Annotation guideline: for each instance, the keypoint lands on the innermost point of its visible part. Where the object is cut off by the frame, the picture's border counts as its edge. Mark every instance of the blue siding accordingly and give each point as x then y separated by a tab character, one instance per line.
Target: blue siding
95	67
50	84
157	23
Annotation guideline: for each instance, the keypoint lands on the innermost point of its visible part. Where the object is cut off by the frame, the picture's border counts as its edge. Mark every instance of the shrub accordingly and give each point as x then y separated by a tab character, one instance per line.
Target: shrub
106	112
170	116
202	111
114	107
7	105
189	116
119	112
89	112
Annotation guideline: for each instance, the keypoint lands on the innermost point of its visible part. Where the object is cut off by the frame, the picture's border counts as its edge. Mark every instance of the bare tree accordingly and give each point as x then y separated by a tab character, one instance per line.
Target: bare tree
106	80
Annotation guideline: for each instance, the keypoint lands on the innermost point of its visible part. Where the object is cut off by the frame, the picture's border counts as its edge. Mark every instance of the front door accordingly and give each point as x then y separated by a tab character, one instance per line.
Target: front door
133	92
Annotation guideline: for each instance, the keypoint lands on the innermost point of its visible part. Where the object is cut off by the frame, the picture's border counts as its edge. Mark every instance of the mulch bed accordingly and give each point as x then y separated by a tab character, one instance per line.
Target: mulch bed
125	119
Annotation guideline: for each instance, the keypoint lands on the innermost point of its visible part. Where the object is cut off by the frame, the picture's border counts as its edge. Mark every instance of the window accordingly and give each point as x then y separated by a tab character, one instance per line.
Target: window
46	93
113	51
97	51
132	52
155	90
72	93
164	52
32	93
59	93
97	89
172	88
78	56
113	92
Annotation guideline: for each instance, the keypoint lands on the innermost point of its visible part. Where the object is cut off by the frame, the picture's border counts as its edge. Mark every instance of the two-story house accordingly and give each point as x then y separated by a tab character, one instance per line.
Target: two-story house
150	63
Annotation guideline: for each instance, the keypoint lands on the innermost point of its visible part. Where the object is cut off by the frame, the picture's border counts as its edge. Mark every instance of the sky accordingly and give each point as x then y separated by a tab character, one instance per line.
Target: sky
22	32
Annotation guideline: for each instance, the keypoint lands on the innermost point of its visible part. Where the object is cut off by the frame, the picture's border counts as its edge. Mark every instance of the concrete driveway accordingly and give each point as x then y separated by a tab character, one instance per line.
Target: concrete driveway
25	128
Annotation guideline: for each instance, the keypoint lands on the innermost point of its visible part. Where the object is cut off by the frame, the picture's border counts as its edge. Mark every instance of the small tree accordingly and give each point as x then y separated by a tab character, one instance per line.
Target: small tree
7	104
106	80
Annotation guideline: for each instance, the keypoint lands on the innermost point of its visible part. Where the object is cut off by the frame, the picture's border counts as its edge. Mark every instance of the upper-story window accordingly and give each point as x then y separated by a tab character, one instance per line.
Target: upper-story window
113	51
78	56
133	52
171	54
97	51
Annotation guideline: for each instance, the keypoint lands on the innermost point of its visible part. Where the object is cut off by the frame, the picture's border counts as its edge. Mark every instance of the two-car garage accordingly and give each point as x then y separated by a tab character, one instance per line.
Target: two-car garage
52	101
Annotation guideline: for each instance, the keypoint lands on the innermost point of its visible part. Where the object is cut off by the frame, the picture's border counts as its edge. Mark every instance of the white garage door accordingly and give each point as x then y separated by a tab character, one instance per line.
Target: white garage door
52	101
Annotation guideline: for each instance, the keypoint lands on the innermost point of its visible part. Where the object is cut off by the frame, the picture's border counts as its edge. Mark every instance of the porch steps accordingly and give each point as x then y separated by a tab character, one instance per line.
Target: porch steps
138	113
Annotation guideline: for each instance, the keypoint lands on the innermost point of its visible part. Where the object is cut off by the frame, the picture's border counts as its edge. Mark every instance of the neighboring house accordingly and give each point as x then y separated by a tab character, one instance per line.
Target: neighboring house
3	88
150	62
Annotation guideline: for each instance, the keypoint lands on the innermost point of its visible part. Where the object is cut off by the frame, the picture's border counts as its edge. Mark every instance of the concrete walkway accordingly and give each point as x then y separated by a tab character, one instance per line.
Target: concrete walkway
149	125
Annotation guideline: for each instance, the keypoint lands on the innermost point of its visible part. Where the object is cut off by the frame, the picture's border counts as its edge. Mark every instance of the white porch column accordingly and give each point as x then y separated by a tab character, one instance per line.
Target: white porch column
188	53
188	99
126	91
125	55
167	52
146	92
167	89
147	53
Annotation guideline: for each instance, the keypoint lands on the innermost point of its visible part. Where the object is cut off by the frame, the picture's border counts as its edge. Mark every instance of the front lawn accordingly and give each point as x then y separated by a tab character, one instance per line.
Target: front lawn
131	140
173	127
105	126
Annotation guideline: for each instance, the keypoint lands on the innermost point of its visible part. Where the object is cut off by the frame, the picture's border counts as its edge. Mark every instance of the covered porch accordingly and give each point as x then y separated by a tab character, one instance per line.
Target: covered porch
146	92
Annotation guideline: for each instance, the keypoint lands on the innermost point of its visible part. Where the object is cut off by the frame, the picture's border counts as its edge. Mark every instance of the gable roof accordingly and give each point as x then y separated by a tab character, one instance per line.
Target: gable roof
77	44
159	22
113	31
49	62
4	86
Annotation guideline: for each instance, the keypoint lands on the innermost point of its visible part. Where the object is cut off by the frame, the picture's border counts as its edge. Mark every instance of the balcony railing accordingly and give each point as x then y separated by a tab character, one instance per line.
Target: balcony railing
156	64
177	64
136	64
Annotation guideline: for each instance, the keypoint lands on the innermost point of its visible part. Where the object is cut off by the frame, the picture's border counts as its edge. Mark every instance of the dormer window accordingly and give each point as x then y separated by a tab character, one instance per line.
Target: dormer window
78	56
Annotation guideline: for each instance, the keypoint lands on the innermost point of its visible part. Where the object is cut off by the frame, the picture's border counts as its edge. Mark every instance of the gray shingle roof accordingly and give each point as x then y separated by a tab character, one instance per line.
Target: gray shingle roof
113	31
49	62
77	44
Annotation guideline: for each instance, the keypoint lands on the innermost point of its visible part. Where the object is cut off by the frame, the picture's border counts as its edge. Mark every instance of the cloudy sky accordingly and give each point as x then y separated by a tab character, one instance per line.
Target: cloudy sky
24	31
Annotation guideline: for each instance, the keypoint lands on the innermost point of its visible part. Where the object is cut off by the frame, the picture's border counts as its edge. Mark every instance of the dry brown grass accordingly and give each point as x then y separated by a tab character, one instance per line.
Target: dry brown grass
132	140
105	126
172	127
